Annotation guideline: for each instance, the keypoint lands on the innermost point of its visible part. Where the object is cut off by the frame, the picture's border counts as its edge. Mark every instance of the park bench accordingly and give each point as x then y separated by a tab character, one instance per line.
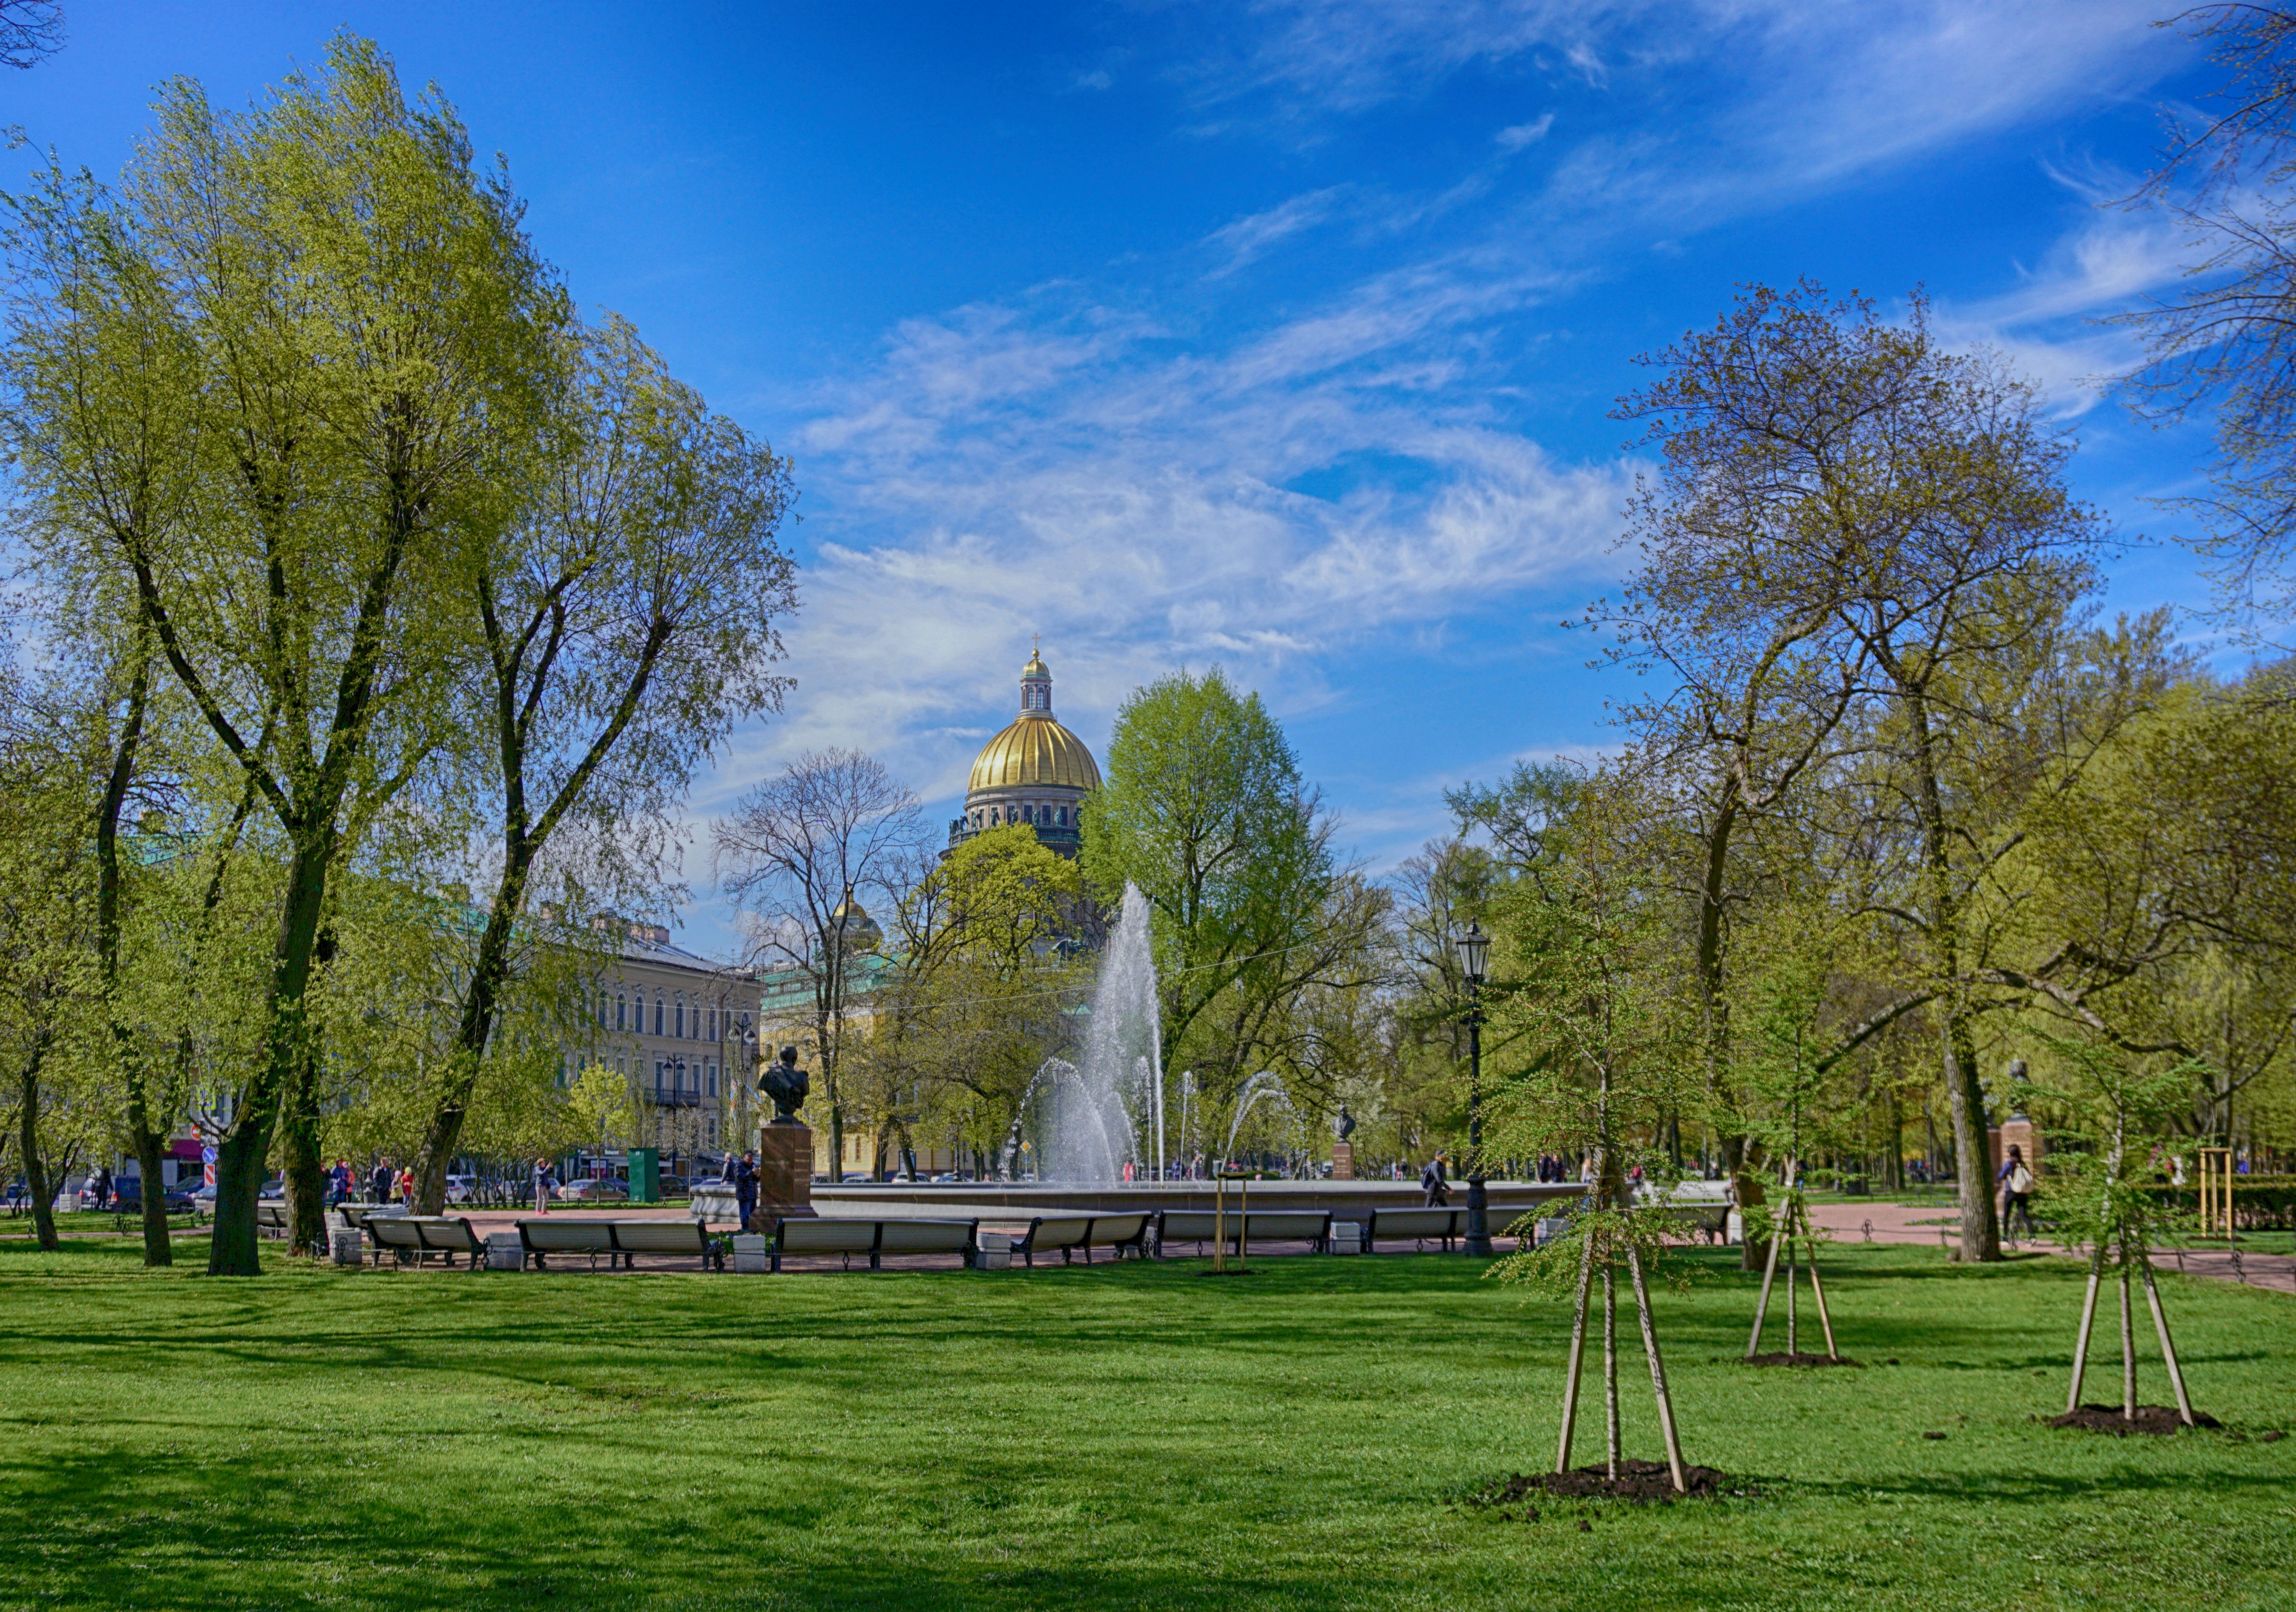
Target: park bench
543	1238
1313	1226
1073	1233
821	1234
1422	1226
634	1237
271	1220
413	1238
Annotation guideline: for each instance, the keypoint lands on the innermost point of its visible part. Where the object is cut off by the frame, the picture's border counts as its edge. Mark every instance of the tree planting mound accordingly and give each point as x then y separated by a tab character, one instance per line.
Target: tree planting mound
2149	1419
1641	1480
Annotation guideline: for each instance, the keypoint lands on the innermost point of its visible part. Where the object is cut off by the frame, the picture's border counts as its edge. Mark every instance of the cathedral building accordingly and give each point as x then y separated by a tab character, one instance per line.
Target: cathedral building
1034	771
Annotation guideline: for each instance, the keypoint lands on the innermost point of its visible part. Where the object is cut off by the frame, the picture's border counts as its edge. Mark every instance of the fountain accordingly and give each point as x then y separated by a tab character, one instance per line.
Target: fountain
1266	1084
1092	1115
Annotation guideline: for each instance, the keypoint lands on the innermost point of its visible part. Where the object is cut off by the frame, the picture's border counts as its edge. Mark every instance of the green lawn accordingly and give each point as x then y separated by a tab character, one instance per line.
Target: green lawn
1118	1437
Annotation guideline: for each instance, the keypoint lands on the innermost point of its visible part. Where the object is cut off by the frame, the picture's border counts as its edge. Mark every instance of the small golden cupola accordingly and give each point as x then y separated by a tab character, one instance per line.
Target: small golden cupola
1034	771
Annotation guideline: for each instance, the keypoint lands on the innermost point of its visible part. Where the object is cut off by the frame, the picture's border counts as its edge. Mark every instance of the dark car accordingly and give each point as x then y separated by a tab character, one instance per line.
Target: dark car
128	1198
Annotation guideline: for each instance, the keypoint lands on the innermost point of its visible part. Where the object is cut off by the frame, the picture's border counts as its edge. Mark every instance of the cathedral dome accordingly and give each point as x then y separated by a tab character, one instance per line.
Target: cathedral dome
1035	751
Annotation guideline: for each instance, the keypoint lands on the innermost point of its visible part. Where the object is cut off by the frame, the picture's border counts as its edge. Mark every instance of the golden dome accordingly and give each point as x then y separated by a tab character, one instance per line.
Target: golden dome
1035	667
1033	750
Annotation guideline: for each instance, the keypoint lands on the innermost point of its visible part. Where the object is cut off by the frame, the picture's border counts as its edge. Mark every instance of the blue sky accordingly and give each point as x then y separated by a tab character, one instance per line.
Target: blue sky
1277	336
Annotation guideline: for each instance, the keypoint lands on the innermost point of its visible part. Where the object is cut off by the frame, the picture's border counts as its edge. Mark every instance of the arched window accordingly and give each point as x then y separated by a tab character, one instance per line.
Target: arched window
621	1011
680	1021
657	1012
1062	816
713	1024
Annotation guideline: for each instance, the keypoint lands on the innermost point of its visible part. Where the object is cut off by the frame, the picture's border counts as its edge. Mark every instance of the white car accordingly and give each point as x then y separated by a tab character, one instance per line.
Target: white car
462	1189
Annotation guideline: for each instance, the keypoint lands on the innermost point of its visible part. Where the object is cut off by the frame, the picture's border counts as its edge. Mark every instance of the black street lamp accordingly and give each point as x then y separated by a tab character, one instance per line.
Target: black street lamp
1474	948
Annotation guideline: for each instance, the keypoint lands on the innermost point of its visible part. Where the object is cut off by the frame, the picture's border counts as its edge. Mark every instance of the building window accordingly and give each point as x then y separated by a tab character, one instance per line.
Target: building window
713	1024
681	1016
605	1013
1062	816
657	1081
713	1130
713	1079
622	1066
621	1011
657	1013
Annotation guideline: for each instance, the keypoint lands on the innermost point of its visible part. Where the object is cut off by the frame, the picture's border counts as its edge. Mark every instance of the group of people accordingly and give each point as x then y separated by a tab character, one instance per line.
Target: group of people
386	1183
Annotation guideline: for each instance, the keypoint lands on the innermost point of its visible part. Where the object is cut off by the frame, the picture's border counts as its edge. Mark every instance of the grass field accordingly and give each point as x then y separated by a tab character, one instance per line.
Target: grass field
1117	1437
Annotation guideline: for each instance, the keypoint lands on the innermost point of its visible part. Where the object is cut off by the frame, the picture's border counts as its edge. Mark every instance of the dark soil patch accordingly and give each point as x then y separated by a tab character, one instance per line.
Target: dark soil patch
1803	1360
2149	1419
1636	1480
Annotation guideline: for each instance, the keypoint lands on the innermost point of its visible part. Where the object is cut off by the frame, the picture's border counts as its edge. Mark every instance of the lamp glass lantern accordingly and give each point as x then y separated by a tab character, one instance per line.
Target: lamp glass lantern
1474	948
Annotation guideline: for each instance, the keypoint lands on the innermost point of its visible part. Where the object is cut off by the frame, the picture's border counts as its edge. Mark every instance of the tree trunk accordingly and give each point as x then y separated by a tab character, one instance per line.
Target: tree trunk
35	1168
1980	1233
1980	1237
159	1247
489	973
244	1152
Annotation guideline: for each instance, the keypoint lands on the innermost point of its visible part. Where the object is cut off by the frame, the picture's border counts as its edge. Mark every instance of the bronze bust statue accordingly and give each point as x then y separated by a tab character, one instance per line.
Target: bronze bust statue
787	1085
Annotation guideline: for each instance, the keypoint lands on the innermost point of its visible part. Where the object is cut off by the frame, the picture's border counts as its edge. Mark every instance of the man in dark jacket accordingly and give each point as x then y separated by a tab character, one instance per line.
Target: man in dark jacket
378	1183
1431	1182
745	1186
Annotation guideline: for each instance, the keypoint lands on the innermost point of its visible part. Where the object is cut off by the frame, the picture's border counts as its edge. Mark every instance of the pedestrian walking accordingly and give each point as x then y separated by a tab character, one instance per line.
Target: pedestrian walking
378	1184
2016	1192
1432	1183
543	1183
745	1187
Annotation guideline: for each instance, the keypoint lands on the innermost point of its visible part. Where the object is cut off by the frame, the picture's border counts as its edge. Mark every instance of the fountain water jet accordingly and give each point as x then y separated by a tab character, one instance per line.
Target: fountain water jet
1118	1091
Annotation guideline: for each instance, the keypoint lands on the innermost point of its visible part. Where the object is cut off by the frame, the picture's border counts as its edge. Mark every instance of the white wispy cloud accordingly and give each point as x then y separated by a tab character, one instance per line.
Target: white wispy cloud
1515	137
1083	461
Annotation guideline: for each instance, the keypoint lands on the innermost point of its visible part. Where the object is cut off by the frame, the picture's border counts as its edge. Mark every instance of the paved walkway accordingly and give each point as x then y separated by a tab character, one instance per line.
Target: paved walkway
1939	1224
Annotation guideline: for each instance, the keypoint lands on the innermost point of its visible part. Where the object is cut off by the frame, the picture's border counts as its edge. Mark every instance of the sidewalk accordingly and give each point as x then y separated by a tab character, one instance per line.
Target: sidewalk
1938	1225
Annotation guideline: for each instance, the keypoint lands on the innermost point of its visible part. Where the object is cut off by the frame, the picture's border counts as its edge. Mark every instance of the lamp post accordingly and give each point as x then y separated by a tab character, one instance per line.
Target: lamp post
1474	947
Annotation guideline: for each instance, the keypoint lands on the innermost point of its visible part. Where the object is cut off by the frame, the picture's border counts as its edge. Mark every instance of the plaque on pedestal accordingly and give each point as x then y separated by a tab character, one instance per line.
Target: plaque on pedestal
784	1173
1343	1161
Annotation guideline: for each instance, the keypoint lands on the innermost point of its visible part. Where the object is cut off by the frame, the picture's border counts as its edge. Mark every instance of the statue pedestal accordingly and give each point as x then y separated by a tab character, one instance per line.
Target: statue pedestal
1343	1161
784	1173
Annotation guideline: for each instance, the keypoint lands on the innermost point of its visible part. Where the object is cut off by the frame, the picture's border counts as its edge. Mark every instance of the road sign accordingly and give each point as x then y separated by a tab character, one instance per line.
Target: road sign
207	1166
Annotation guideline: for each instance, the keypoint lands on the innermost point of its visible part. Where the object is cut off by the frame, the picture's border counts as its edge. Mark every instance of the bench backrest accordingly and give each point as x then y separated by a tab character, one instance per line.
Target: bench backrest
354	1213
393	1232
925	1236
816	1234
1108	1229
1416	1222
566	1236
1056	1232
1191	1225
272	1214
1310	1223
659	1236
451	1232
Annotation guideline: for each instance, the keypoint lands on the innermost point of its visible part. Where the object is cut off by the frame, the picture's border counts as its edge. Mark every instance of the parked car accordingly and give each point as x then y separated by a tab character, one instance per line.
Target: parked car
462	1189
593	1189
673	1186
128	1198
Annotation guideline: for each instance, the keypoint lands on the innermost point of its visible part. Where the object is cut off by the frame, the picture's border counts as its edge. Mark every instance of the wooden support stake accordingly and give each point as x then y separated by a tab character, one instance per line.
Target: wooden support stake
1793	1304
1658	1373
1762	1304
2128	1341
1817	1291
1577	1353
1220	1225
1609	1370
2168	1348
2087	1322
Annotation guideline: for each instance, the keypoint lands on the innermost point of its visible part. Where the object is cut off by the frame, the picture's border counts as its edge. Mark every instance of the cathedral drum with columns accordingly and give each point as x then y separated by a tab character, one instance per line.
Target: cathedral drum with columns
1034	772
